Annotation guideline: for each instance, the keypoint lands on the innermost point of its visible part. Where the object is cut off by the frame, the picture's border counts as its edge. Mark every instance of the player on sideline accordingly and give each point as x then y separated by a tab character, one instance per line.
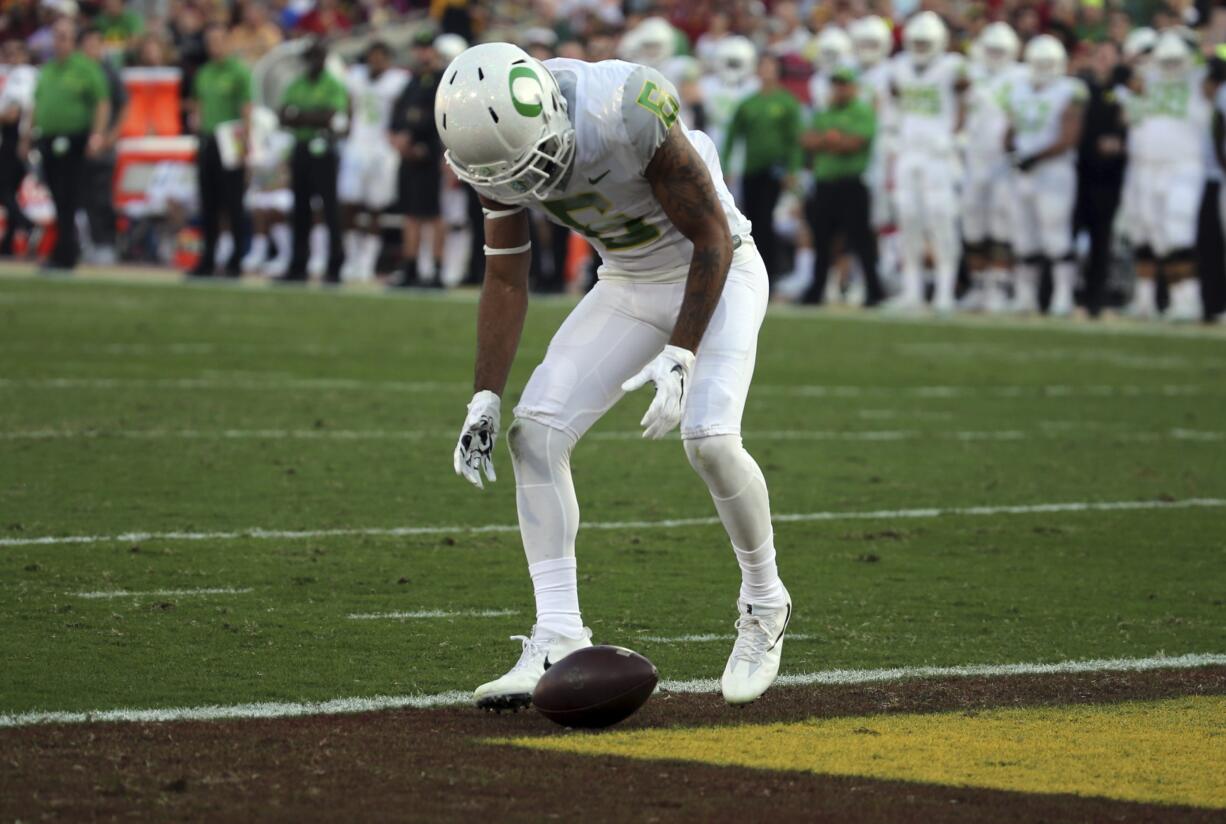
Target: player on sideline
598	147
1045	118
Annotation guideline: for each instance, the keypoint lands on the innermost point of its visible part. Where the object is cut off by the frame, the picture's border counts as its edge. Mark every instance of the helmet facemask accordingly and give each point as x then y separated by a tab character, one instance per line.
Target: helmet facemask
535	176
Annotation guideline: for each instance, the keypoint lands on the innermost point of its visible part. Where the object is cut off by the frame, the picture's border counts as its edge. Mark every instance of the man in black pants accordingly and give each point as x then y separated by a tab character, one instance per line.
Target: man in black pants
220	111
315	107
16	101
841	139
421	164
98	197
1100	169
71	110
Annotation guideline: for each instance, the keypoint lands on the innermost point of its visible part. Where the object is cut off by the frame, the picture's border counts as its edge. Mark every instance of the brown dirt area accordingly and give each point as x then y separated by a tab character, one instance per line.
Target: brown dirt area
433	764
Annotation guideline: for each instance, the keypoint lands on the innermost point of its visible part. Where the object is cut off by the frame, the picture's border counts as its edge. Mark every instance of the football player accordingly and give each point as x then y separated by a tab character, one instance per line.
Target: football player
834	50
927	84
1045	116
1138	47
987	187
871	43
366	184
735	78
599	148
1170	171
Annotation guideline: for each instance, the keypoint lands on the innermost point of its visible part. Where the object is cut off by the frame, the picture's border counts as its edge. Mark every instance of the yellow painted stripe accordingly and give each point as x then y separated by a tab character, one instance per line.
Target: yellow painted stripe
1171	751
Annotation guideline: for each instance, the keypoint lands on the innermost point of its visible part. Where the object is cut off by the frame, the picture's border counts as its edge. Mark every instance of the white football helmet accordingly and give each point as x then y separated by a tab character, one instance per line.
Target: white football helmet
650	43
1046	58
503	120
1172	56
925	37
736	59
870	40
449	47
1139	43
999	46
834	49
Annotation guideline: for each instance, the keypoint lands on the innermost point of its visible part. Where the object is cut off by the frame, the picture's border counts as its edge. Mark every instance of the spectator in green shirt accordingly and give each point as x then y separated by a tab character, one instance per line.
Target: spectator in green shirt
220	111
315	108
768	122
71	112
840	138
117	24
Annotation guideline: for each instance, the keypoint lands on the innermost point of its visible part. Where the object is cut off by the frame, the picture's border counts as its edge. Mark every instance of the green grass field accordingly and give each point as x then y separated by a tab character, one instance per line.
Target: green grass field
145	408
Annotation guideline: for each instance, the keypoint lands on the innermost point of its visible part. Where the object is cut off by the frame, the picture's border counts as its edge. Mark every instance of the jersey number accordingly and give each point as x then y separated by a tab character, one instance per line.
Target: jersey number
633	231
660	103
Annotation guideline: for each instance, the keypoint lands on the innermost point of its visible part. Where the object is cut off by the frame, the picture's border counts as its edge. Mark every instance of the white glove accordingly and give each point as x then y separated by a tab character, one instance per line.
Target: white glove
670	372
475	451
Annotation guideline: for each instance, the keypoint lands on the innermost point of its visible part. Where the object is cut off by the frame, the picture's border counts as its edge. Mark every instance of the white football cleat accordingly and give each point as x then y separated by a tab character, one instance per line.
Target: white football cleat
754	662
513	691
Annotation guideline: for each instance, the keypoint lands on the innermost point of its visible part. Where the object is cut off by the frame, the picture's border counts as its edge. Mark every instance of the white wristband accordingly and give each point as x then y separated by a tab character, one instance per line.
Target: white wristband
514	250
494	214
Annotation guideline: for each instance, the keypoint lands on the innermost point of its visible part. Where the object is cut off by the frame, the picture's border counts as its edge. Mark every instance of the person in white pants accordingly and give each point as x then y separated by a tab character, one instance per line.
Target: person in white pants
599	148
927	84
1045	119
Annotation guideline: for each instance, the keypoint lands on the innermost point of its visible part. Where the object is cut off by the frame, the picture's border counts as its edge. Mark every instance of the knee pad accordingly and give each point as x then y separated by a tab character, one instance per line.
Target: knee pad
722	462
537	450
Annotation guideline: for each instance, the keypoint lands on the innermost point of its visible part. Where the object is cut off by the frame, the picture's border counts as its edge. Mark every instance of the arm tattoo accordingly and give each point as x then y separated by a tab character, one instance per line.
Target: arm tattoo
681	182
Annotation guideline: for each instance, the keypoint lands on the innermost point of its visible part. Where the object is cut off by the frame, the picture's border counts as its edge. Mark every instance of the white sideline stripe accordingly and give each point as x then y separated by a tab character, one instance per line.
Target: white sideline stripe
706	637
432	613
799	517
842	677
160	593
1046	430
453	698
279	382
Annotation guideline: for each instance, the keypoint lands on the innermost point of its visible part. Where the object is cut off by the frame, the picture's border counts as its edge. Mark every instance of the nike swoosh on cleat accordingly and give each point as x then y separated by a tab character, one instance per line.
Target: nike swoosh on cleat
786	621
595	180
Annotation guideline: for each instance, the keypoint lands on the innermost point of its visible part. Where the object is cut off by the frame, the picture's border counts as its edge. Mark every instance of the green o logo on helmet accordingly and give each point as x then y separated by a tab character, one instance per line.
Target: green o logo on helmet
526	91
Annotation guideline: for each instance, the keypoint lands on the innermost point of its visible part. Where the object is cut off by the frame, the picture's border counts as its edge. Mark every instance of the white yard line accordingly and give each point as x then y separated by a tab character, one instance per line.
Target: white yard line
280	382
704	685
1046	429
708	637
162	593
431	613
673	523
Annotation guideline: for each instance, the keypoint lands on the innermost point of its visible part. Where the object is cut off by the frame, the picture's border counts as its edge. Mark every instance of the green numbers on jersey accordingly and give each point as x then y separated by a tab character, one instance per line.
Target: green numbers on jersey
1168	100
1032	117
921	99
612	231
660	103
368	109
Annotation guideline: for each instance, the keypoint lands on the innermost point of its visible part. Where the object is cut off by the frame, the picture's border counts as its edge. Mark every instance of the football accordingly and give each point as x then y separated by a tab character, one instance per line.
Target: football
595	687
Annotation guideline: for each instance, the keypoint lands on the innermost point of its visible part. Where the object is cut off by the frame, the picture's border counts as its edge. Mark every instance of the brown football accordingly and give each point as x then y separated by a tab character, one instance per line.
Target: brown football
595	687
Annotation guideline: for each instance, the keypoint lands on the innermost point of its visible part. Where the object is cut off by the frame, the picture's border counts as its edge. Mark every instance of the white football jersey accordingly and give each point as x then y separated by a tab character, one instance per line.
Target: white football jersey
926	100
372	100
720	101
621	113
1035	112
19	83
986	119
1176	114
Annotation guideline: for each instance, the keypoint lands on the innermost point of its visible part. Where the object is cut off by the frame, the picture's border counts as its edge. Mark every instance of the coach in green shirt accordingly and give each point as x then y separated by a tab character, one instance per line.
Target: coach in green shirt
220	110
71	110
314	108
768	122
841	139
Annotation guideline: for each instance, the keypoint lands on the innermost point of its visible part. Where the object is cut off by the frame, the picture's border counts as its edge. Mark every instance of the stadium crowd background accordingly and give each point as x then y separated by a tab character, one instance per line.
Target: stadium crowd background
137	196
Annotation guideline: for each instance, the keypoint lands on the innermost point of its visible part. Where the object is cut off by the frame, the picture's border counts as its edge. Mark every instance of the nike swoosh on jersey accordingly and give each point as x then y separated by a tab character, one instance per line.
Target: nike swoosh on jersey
595	180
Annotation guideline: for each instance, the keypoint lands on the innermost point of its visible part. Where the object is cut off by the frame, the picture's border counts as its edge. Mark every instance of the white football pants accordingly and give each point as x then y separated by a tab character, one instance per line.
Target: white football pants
617	329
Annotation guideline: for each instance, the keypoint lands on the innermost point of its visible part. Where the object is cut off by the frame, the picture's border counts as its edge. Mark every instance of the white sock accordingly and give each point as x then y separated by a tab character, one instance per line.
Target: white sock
739	492
371	248
1064	276
353	241
284	238
548	521
225	248
556	585
1026	288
